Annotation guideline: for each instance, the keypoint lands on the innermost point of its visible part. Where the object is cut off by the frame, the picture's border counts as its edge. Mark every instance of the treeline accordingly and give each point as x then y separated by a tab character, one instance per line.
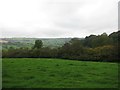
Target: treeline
92	48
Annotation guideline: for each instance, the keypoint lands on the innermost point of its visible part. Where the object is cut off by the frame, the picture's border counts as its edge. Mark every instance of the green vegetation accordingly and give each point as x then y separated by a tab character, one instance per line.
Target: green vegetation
58	73
38	44
29	42
29	63
92	48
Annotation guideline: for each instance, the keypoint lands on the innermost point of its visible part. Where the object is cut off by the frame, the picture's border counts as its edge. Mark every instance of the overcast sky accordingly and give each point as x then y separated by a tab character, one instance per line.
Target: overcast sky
57	18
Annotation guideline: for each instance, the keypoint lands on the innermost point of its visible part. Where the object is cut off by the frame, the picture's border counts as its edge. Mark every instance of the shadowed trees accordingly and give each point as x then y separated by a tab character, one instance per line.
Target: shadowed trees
91	48
38	44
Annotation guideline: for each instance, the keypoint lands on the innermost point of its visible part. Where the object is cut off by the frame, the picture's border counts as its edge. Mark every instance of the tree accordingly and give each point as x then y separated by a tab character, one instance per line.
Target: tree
93	41
76	47
89	41
38	44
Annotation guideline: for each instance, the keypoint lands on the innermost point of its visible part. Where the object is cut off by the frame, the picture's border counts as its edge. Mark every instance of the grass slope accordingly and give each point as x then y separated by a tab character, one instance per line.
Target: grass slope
58	73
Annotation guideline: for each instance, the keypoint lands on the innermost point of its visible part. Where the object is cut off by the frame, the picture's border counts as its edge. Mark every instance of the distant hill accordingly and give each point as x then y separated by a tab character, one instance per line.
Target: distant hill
29	42
3	41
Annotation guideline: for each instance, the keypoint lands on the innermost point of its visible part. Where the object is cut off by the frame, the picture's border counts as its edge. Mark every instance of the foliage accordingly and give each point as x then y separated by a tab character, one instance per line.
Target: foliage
38	44
92	48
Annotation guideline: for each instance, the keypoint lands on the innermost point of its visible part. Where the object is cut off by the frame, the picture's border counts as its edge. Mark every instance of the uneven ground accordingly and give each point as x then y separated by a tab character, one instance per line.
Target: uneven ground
58	73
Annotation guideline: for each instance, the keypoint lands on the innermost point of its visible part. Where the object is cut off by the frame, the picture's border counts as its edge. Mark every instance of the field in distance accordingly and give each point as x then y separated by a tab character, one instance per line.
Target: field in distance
58	73
29	42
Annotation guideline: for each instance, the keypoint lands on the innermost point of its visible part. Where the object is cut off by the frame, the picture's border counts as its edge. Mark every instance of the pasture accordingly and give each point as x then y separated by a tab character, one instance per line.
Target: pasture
58	73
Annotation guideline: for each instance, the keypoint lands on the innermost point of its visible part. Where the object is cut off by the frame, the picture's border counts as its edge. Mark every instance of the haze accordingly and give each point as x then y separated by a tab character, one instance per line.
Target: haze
57	18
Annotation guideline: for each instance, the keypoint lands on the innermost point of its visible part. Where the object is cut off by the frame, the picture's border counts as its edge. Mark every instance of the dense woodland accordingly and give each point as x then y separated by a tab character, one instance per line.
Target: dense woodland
92	48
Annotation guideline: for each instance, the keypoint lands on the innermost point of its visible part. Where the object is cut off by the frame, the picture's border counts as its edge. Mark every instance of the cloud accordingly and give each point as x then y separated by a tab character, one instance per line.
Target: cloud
57	18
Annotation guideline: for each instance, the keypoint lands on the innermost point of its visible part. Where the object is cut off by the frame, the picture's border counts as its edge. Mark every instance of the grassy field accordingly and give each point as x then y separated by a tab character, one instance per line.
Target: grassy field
58	73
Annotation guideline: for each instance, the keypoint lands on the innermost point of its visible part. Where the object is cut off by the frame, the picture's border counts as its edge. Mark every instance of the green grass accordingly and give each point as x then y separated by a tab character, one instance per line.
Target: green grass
58	73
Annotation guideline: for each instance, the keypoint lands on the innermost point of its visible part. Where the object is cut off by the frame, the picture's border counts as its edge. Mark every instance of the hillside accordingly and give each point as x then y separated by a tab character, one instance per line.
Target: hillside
29	42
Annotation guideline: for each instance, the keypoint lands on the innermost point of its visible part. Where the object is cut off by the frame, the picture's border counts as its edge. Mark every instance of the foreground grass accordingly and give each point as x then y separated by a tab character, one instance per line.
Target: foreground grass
58	73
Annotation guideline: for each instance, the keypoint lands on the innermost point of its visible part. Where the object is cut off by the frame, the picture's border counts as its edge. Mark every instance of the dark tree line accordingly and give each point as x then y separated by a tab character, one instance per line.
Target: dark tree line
91	48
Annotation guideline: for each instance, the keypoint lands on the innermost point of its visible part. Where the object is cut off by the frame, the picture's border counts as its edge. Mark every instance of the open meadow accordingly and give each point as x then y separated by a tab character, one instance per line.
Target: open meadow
58	73
60	44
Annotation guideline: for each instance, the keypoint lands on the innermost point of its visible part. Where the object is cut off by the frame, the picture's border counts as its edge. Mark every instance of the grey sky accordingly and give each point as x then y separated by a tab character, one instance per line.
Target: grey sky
57	18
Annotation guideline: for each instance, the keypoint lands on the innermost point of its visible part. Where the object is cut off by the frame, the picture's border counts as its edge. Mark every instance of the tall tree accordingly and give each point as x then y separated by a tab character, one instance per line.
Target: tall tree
38	44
